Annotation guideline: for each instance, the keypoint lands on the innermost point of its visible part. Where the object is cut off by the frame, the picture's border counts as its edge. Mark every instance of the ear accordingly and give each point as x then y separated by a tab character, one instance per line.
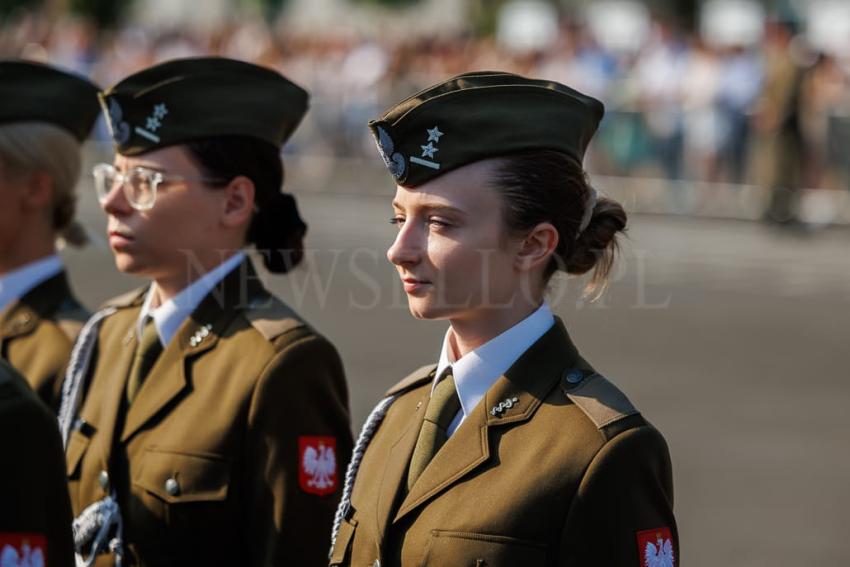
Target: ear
39	191
536	248
238	202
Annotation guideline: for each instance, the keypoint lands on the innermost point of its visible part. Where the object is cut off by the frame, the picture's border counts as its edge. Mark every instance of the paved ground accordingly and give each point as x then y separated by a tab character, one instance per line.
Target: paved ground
727	335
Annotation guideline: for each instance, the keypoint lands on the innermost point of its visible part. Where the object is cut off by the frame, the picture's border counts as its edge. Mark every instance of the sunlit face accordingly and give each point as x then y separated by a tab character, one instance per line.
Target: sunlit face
451	250
184	219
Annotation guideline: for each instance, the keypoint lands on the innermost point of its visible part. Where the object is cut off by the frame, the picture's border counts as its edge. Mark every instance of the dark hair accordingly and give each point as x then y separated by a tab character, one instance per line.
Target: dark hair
276	230
549	186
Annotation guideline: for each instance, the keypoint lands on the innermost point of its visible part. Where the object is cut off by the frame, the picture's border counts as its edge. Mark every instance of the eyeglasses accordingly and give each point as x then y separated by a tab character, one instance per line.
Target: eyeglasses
139	184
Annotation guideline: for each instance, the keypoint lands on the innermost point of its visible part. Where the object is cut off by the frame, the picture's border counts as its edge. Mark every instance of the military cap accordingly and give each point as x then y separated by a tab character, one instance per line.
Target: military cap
481	115
35	92
189	99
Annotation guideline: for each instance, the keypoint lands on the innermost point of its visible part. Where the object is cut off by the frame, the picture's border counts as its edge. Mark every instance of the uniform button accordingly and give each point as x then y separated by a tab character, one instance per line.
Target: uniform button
376	563
574	377
172	487
103	479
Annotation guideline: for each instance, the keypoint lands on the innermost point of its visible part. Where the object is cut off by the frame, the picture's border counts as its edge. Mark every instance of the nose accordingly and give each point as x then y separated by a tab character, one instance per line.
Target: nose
116	203
407	248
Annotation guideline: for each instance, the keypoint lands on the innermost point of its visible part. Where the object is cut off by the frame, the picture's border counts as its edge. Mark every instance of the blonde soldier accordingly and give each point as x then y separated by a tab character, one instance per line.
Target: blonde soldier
206	422
35	515
512	450
45	116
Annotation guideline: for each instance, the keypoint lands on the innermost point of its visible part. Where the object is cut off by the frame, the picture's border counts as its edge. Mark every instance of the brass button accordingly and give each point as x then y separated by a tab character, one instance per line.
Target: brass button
172	487
103	480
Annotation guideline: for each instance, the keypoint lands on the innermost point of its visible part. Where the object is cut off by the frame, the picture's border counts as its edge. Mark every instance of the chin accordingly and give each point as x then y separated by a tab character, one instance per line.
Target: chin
424	309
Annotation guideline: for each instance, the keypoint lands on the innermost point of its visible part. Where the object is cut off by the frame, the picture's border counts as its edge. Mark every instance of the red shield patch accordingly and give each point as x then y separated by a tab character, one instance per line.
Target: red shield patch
23	549
317	465
655	548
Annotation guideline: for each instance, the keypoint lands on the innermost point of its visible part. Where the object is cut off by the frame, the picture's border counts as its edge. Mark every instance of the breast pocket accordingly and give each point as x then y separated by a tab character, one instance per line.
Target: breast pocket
467	549
186	490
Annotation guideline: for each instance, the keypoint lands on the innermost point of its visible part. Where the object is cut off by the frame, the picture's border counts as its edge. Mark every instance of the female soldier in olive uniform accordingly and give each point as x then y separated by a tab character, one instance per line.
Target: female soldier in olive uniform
214	422
512	450
45	116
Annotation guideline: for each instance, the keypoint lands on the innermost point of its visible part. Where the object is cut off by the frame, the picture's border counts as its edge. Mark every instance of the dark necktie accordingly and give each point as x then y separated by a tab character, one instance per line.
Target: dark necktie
441	410
147	352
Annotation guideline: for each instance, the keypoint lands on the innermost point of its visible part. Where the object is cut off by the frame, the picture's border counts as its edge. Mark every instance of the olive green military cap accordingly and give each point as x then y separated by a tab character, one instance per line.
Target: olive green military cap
39	93
189	99
481	115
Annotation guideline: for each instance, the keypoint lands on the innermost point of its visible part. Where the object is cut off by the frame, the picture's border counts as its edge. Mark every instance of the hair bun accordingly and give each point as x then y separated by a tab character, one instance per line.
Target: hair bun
278	231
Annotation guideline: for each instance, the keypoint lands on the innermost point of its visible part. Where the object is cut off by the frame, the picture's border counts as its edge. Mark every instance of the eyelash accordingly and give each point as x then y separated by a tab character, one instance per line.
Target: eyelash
400	220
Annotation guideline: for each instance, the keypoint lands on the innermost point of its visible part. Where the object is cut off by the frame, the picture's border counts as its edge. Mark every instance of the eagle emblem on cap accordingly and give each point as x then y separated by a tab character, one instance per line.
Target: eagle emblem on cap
119	128
393	159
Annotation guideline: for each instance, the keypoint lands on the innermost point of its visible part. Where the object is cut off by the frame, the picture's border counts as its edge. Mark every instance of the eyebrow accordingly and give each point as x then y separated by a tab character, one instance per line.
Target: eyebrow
436	208
144	166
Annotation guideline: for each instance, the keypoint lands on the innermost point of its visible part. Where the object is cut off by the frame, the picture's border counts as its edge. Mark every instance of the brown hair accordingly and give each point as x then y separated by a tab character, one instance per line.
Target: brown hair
549	186
276	230
27	147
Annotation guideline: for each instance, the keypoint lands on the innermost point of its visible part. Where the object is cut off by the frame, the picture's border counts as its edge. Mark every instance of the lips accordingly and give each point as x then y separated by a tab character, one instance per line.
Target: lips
414	286
119	239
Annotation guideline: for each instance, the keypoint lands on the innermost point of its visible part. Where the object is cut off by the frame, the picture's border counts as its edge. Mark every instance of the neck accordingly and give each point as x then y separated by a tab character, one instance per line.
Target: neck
469	333
167	286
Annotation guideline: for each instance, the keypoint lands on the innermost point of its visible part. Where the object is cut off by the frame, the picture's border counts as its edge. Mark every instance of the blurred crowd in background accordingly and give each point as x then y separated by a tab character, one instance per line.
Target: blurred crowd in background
770	110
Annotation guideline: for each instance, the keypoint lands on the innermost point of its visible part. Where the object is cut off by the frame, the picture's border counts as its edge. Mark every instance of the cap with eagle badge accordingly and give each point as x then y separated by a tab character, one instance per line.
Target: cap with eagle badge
482	115
189	99
34	92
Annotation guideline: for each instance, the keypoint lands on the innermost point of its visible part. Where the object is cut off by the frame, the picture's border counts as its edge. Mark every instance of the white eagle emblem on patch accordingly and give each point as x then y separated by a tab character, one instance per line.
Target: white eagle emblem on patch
660	555
317	467
393	159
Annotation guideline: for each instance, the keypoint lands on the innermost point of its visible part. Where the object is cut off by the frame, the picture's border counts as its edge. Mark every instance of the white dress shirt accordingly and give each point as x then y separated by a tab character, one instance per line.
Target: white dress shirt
170	315
475	372
18	283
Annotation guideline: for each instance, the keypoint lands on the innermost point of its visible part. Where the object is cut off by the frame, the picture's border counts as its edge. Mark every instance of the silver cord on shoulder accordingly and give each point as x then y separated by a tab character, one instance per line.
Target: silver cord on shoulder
592	198
77	368
369	428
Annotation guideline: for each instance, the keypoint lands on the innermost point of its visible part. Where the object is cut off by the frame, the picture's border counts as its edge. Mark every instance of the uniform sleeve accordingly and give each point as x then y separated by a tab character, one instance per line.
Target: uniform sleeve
622	515
299	431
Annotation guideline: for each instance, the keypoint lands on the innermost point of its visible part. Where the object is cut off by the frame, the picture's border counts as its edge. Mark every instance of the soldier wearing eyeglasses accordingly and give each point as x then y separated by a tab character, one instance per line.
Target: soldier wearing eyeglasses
45	116
206	422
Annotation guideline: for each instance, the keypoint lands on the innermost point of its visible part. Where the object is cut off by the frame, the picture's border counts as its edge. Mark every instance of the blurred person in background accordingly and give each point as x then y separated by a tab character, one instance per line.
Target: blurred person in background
35	514
779	126
205	422
512	449
45	116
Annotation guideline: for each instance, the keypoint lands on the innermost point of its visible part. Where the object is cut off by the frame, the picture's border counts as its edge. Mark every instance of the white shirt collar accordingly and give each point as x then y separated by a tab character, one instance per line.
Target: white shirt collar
17	283
475	372
170	315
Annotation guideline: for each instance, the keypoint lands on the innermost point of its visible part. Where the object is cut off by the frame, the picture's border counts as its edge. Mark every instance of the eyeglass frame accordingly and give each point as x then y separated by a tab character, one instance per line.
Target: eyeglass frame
156	178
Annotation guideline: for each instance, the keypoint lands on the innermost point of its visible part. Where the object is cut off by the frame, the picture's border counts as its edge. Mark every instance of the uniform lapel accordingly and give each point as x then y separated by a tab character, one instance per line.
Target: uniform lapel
528	381
24	315
199	333
395	470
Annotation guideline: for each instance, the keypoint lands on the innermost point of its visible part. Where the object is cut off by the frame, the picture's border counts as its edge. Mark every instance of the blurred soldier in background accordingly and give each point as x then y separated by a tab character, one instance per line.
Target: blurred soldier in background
35	515
44	117
215	425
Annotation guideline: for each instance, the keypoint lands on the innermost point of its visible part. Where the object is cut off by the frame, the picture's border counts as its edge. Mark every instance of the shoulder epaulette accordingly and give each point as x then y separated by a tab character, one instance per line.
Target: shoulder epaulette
272	317
599	399
414	379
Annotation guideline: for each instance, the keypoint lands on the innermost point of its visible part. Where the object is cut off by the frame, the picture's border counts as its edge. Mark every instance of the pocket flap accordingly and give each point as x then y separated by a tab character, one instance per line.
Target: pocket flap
468	548
343	541
183	477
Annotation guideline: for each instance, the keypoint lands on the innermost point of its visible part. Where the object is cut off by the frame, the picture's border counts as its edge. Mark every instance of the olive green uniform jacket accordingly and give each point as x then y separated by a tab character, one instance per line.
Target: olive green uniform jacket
208	462
37	333
34	506
570	475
